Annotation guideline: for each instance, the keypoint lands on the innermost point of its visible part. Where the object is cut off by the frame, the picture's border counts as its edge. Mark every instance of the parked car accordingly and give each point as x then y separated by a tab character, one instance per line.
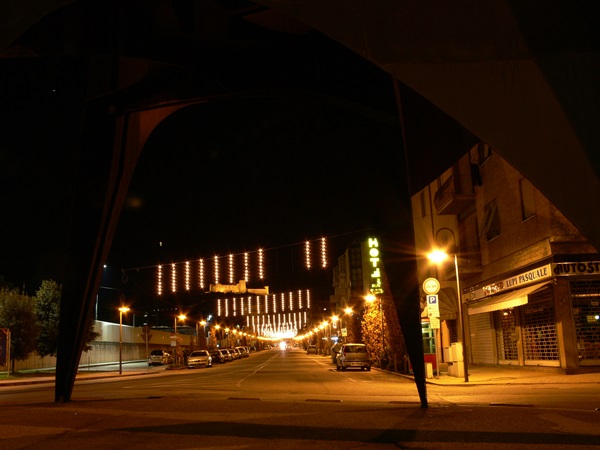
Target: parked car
334	352
227	354
244	351
311	349
159	358
199	358
235	353
217	356
353	355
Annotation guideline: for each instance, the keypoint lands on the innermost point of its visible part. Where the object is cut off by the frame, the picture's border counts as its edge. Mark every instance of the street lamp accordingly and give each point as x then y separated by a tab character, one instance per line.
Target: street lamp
218	339
334	322
203	323
438	256
180	317
122	309
349	324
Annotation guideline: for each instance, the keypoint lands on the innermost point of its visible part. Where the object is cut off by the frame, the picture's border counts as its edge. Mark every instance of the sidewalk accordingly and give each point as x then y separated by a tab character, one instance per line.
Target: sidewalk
85	373
478	375
499	375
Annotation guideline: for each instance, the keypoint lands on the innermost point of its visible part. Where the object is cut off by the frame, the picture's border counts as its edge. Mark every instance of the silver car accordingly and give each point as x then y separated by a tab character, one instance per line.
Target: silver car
244	351
354	356
158	357
199	358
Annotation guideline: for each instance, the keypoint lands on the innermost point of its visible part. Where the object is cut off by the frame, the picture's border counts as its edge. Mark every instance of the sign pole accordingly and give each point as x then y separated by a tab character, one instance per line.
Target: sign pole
431	286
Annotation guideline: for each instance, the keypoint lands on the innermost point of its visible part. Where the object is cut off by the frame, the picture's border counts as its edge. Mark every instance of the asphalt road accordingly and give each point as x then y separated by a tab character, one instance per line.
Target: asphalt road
289	400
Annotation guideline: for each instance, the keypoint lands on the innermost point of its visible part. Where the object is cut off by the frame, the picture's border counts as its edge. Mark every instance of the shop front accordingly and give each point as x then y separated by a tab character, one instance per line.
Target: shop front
540	318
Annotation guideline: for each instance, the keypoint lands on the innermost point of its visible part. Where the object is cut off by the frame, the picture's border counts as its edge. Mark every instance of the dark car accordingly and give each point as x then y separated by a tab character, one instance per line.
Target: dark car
217	356
311	349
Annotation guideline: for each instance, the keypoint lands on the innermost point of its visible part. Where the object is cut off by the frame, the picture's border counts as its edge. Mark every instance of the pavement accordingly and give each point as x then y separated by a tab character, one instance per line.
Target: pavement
478	375
181	422
501	375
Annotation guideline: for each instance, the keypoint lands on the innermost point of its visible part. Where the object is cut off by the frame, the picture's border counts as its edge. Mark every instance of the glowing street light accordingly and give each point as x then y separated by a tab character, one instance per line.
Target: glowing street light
181	317
437	256
217	335
122	309
203	323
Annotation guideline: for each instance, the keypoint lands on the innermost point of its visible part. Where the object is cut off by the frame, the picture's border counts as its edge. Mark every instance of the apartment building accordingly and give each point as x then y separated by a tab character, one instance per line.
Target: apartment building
528	280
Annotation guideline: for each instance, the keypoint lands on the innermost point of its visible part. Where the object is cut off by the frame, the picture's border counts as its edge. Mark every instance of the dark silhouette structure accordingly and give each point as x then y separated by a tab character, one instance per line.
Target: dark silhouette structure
504	72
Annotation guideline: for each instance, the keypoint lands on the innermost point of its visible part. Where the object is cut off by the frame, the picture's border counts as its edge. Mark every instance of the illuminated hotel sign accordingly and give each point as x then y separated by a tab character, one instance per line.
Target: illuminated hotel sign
375	287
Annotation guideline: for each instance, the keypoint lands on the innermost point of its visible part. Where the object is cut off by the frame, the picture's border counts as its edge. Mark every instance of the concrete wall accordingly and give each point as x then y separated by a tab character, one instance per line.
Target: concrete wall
105	349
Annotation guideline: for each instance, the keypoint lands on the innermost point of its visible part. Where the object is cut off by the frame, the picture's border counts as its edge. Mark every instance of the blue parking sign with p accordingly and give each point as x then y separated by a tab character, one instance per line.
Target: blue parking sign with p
433	306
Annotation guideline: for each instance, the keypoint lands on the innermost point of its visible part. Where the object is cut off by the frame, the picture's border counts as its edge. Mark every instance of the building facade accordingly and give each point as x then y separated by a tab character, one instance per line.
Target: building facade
352	281
527	279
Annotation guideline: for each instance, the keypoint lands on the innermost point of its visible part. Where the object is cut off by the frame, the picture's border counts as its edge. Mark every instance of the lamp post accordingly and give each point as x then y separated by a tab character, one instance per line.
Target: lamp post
203	323
334	322
180	317
217	337
438	256
122	309
349	311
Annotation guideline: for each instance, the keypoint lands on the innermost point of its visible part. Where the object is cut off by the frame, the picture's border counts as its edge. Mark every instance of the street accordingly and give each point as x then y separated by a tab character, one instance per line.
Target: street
289	400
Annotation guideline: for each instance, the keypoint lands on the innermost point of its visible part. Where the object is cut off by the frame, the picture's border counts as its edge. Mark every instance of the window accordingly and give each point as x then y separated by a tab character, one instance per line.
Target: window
527	200
428	338
491	221
484	151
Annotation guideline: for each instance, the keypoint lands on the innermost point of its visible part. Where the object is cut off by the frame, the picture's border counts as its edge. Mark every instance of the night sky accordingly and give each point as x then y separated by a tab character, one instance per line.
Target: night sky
263	173
230	176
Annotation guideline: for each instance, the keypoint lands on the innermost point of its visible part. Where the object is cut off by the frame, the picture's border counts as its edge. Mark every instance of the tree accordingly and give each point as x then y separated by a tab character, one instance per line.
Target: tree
212	339
388	348
47	312
371	330
90	337
18	315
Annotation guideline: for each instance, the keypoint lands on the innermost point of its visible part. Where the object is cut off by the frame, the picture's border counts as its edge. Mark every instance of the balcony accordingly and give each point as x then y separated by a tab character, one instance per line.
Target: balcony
469	264
455	196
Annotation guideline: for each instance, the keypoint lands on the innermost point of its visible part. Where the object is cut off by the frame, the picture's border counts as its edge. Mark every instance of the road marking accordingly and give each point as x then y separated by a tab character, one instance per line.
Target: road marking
262	366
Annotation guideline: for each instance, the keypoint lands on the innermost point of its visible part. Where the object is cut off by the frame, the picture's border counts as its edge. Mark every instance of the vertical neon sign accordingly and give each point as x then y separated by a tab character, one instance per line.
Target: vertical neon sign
375	286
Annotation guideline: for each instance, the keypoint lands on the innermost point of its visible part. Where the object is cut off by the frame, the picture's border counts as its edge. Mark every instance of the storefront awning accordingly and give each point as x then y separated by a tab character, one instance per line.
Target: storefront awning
511	299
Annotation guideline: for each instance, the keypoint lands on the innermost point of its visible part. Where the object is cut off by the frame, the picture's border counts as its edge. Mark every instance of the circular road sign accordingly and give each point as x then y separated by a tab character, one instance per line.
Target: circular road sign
431	286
